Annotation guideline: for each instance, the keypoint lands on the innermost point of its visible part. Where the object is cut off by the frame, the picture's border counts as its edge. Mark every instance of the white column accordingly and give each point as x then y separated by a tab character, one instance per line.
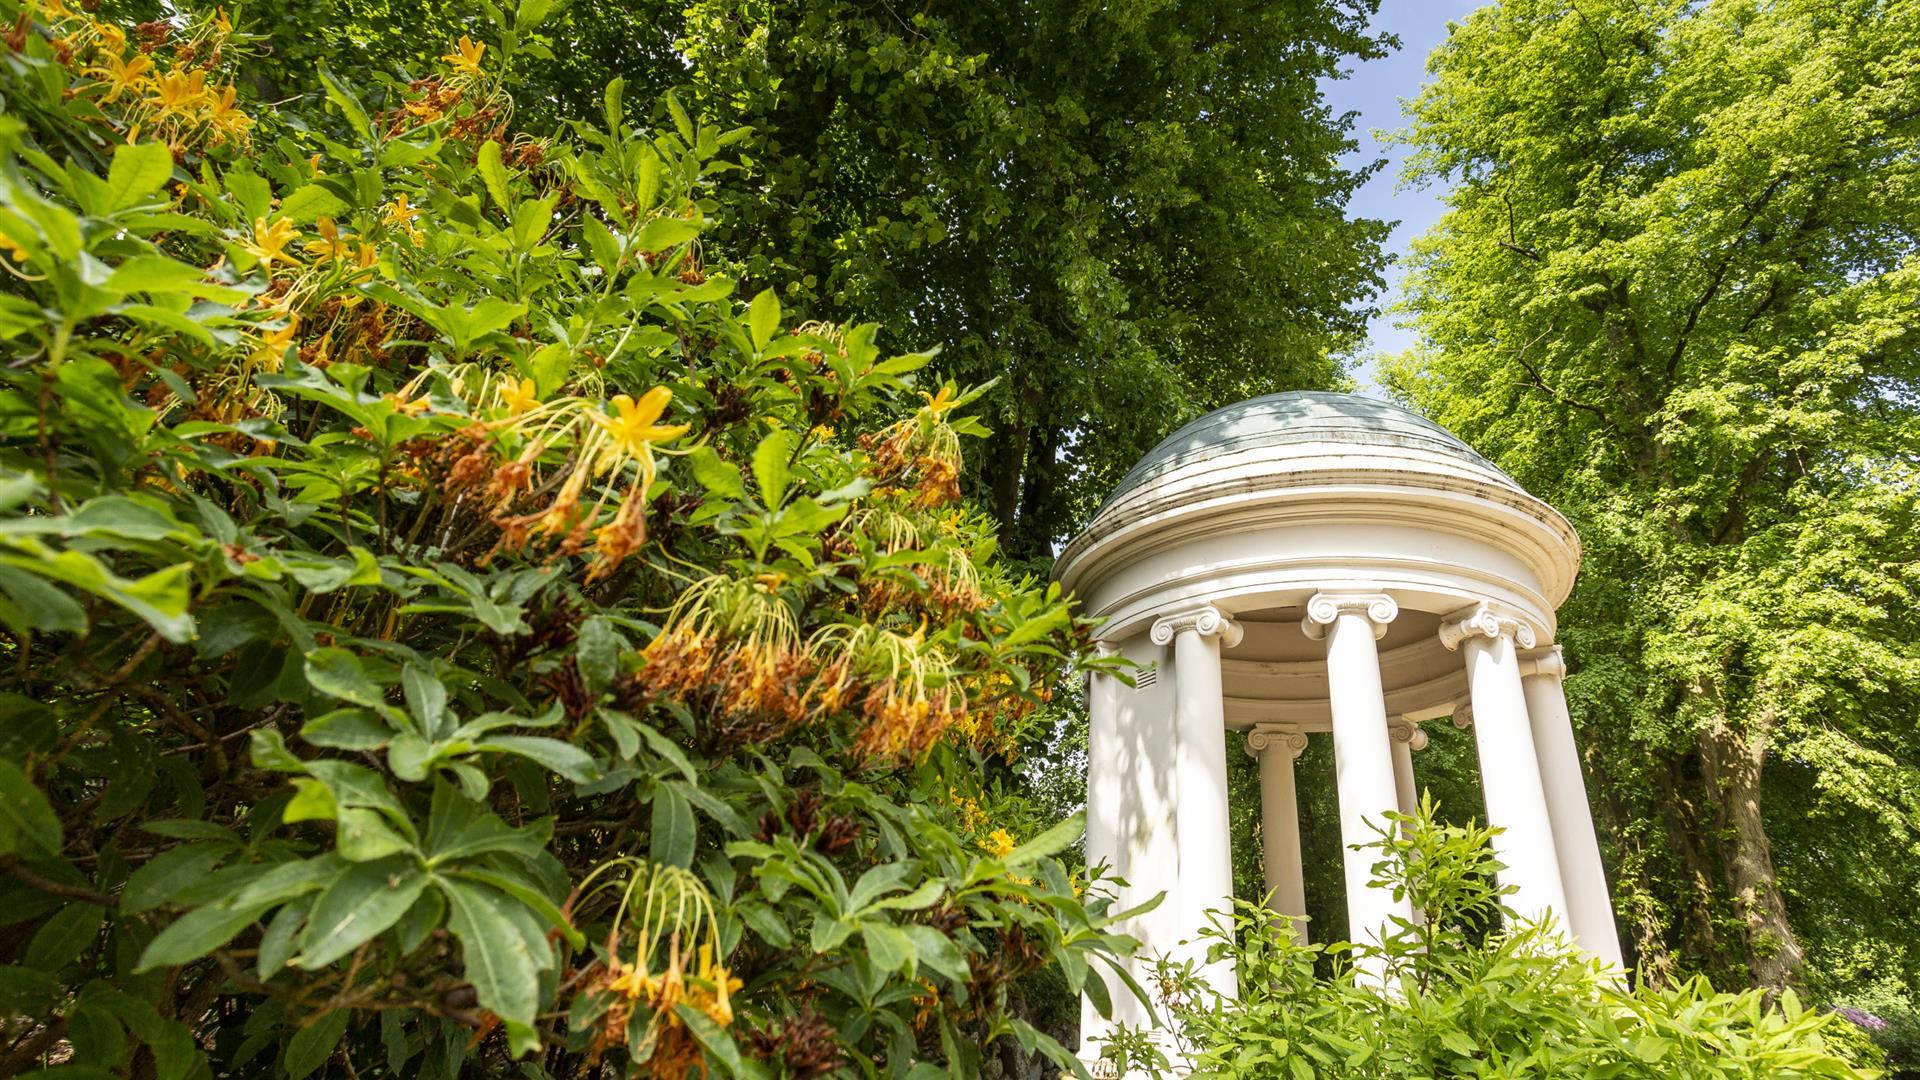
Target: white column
1205	872
1363	763
1280	823
1589	905
1509	767
1406	737
1105	792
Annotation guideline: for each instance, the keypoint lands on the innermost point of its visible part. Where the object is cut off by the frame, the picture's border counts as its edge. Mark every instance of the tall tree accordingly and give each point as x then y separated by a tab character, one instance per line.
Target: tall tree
1127	214
1677	290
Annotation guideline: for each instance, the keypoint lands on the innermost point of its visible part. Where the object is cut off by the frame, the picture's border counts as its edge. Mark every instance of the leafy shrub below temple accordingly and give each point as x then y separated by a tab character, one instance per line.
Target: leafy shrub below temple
445	625
1458	997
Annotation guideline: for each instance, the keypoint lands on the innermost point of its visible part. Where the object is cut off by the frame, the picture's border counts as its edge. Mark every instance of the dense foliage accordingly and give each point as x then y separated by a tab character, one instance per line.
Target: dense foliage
1455	997
444	625
1126	214
1675	295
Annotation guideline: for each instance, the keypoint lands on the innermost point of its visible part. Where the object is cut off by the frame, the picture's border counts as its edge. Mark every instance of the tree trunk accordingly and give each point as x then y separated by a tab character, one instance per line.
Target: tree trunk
1698	897
1733	761
1007	463
1036	498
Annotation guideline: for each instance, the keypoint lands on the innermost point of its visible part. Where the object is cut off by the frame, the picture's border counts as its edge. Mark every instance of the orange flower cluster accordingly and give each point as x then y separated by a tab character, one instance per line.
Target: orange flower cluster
902	458
755	690
672	906
162	83
602	445
708	990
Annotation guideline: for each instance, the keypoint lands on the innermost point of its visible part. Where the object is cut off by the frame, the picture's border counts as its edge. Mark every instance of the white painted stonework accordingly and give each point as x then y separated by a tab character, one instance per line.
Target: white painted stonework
1306	566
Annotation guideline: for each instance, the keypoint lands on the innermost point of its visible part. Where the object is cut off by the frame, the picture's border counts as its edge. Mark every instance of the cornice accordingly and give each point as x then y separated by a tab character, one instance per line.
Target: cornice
1518	524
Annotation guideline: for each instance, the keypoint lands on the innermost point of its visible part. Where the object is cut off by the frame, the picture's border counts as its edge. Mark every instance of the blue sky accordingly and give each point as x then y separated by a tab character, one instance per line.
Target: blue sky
1374	90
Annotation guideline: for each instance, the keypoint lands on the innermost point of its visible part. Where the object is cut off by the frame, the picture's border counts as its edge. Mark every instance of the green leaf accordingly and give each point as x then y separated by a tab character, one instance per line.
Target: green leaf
889	948
166	874
363	836
763	318
598	653
564	758
1052	842
28	824
314	1043
770	469
717	476
600	242
196	934
674	832
665	232
64	936
159	274
161	598
713	1038
310	202
137	172
348	105
503	962
493	173
359	905
338	673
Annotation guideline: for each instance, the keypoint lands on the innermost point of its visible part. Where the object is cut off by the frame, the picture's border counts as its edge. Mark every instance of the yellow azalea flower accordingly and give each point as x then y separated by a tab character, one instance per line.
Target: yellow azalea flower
331	244
220	21
225	116
270	242
519	397
633	428
998	843
123	74
401	215
466	55
272	346
941	404
7	245
178	91
407	407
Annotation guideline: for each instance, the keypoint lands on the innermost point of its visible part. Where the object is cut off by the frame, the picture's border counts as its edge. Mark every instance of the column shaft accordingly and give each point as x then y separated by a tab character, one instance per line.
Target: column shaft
1363	761
1510	778
1406	791
1105	794
1589	905
1280	828
1203	866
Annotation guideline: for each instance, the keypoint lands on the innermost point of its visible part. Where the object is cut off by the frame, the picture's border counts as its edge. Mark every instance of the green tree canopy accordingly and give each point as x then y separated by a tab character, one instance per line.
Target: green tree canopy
1677	293
1127	215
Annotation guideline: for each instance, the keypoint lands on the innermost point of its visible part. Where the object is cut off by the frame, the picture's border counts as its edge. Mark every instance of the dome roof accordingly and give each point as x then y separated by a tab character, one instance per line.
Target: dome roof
1308	460
1306	421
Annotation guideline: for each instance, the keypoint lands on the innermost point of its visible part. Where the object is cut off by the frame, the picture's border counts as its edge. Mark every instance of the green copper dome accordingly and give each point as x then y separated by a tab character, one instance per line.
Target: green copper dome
1300	417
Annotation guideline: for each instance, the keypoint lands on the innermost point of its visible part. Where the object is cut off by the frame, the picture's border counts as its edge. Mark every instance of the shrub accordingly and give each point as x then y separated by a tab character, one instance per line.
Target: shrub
446	627
1459	1001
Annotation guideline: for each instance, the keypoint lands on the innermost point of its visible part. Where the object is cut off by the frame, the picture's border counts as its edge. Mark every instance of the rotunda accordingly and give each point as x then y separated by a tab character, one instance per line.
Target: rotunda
1317	565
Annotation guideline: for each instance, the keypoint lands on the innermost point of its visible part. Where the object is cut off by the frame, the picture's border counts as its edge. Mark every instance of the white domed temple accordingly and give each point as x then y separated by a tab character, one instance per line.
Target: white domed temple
1324	566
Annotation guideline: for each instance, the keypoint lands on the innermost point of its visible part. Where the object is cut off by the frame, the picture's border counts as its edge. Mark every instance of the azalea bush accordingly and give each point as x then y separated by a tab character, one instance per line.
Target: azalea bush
450	624
1461	997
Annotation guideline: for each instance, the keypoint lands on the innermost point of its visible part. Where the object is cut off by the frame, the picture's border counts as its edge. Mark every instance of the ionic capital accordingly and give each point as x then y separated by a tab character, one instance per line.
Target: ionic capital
1483	621
1463	714
1547	663
1325	608
1290	743
1205	620
1406	731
